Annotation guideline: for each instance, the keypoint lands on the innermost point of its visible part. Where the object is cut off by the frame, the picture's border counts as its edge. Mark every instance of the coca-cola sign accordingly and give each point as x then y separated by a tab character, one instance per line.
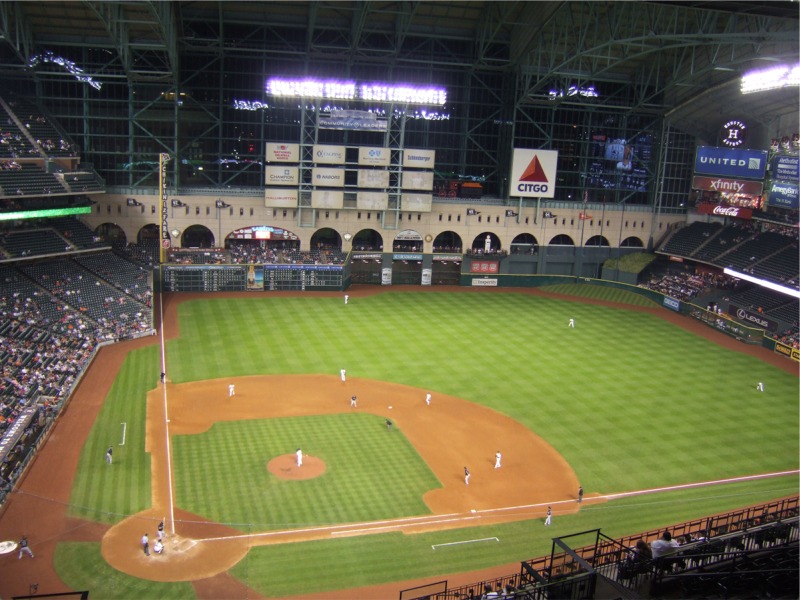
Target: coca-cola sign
722	210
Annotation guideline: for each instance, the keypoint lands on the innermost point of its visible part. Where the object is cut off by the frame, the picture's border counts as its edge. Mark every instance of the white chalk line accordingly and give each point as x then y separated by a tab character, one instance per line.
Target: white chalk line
489	539
396	524
124	430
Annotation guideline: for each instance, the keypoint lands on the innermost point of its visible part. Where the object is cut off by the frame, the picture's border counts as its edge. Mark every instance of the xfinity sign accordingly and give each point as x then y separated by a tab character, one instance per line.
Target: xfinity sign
533	173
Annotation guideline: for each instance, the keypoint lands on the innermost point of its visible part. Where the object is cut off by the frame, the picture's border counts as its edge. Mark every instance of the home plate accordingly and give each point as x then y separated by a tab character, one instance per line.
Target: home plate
472	510
390	407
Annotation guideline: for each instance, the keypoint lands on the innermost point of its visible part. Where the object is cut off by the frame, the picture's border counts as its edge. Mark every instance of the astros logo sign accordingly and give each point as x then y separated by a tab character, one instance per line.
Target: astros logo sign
533	173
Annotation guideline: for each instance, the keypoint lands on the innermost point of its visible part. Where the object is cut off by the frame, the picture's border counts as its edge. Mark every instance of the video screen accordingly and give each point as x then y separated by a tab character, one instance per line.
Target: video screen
620	163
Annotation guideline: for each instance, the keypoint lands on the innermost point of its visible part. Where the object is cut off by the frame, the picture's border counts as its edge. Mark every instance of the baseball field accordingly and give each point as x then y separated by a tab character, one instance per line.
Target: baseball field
655	416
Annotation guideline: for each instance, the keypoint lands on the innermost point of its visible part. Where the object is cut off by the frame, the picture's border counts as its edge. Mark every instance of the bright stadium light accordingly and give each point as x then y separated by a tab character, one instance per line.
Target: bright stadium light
763	283
71	67
771	79
348	90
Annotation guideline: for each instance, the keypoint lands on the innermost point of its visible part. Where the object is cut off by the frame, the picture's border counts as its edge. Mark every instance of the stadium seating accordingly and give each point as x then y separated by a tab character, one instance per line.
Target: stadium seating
47	134
686	240
29	180
33	242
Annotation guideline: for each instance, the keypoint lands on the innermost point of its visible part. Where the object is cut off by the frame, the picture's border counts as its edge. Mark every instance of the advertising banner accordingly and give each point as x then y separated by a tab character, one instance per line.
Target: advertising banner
753	318
427	276
728	186
352	120
327	177
378	157
484	266
372	178
672	303
372	201
328	155
786	168
285	153
484	282
731	162
386	276
282	175
721	210
533	173
787	351
327	199
280	198
421	159
783	195
416	202
417	180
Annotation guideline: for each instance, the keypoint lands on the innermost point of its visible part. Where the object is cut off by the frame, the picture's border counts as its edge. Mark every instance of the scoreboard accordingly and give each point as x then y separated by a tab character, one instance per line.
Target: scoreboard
239	278
302	277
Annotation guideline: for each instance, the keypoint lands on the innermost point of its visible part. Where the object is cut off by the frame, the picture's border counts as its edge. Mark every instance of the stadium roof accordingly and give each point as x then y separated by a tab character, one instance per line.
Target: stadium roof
681	58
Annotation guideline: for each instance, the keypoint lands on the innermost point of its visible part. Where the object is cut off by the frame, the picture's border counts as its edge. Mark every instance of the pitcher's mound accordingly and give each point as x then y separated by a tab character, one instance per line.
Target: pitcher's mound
285	467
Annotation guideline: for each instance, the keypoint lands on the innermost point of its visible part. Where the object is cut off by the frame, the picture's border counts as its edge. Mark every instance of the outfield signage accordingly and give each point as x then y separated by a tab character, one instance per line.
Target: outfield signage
783	195
484	266
378	157
352	120
421	159
329	155
327	199
484	282
372	200
282	175
787	351
283	153
417	180
722	210
533	173
672	303
280	198
786	168
372	178
327	177
753	318
728	186
731	162
407	256
367	256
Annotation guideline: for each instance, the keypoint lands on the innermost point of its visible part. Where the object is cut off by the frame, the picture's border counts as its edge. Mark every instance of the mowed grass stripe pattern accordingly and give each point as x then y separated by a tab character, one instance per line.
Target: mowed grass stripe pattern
109	493
619	379
372	473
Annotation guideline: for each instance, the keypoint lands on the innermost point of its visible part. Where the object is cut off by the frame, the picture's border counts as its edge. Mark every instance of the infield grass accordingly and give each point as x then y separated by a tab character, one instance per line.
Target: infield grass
631	402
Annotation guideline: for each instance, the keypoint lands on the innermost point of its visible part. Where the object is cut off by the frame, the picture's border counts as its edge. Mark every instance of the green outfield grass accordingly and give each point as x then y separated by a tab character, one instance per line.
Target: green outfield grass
631	401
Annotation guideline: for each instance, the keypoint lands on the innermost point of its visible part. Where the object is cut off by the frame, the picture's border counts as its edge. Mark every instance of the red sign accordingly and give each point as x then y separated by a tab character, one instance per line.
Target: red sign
484	266
721	210
728	186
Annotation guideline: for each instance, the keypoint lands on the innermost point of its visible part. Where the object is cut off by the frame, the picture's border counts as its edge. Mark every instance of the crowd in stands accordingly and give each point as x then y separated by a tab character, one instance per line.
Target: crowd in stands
240	253
687	286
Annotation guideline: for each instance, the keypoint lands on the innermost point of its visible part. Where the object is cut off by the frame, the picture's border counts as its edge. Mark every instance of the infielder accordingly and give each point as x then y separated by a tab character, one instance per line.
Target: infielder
353	402
466	475
497	458
231	391
343	373
428	399
299	457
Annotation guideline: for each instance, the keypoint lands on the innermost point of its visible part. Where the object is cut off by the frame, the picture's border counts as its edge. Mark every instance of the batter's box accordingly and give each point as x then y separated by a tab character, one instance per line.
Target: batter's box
181	544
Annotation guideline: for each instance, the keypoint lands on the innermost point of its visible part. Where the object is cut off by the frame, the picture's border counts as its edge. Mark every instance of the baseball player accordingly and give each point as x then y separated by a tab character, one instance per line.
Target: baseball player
549	518
497	458
160	532
343	373
760	386
109	452
353	402
580	494
572	323
346	298
299	457
231	391
428	399
466	475
24	548
146	544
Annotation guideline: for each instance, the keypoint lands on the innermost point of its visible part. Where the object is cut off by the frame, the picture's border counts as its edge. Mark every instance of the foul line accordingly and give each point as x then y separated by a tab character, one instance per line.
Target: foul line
124	429
395	524
434	546
170	495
